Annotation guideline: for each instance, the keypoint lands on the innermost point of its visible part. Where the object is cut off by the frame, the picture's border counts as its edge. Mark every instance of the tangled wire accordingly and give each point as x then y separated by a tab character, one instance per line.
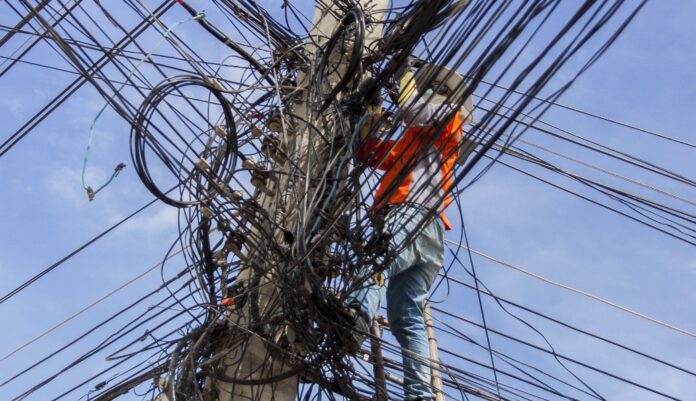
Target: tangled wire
259	158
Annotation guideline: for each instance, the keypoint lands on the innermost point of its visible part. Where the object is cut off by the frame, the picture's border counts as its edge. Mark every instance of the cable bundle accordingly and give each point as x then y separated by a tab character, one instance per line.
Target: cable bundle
275	217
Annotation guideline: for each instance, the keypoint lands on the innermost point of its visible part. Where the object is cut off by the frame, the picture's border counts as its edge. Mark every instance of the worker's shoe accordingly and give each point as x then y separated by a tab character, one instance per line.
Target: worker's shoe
358	331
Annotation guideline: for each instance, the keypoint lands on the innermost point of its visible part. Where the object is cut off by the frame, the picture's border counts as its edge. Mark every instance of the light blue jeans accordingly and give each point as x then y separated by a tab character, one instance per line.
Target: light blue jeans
408	280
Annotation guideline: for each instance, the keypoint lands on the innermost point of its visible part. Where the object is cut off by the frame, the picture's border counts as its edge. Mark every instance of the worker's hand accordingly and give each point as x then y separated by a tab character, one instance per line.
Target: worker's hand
407	81
370	121
407	87
369	92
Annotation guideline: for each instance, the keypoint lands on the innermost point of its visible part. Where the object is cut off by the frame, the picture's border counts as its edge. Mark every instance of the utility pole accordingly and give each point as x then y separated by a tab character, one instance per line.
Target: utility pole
435	368
378	360
254	363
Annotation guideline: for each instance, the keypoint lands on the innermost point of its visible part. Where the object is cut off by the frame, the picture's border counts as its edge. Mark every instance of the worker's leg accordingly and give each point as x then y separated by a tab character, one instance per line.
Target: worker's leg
368	297
399	222
406	293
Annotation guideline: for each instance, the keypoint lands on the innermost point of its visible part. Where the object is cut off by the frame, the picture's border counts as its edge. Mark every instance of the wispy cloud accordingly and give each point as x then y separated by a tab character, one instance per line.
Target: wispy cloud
64	183
161	220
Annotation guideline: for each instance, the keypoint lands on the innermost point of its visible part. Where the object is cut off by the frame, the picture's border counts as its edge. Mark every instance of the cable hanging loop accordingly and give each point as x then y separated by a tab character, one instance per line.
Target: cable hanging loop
91	193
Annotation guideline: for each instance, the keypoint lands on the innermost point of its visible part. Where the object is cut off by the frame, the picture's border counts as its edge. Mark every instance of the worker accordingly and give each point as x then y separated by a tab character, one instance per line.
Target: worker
417	182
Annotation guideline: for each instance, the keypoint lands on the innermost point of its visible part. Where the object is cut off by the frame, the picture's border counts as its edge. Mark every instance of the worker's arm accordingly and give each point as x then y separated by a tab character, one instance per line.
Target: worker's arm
377	153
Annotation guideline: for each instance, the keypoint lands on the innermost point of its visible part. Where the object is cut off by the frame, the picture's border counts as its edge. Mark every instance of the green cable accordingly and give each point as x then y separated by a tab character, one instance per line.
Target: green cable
340	167
91	193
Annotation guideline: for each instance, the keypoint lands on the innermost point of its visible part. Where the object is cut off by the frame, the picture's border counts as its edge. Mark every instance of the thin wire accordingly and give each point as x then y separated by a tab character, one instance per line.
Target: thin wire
91	305
91	193
483	315
577	291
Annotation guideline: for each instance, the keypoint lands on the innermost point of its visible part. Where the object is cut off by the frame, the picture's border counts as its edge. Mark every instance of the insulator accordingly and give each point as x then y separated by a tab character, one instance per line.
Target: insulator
250	207
275	121
221	254
235	242
206	213
250	163
256	132
202	164
230	194
259	178
223	225
270	146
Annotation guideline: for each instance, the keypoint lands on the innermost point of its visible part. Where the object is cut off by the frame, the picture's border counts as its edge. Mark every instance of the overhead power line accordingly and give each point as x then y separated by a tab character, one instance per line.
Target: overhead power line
261	153
575	290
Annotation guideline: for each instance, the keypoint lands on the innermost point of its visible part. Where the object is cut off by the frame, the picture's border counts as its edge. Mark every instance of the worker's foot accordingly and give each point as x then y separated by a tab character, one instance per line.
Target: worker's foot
358	331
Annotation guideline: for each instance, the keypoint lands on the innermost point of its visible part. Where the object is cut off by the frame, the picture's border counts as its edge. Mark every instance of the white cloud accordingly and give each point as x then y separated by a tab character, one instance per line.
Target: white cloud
65	184
161	220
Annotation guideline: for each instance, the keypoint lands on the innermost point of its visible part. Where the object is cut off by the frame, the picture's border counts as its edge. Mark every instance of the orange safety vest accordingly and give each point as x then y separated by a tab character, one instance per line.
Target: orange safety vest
398	157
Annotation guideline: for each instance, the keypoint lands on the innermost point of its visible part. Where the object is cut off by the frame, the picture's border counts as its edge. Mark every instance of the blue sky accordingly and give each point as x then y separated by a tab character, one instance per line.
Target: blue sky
646	79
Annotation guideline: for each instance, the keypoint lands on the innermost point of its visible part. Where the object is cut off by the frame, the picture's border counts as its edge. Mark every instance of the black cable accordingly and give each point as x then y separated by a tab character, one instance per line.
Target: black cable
67	257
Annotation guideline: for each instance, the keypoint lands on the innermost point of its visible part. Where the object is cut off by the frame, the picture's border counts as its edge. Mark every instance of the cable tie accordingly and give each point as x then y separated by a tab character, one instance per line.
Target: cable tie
216	84
202	164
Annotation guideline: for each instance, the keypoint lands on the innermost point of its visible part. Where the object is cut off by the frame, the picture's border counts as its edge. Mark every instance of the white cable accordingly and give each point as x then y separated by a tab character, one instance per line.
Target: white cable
575	290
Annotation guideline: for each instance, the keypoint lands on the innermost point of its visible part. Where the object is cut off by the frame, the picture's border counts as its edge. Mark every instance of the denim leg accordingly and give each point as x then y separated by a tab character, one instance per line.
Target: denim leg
406	292
368	298
409	279
370	295
405	296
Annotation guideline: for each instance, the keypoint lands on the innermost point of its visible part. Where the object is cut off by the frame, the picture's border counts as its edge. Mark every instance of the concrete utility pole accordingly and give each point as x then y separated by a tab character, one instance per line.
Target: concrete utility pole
254	362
